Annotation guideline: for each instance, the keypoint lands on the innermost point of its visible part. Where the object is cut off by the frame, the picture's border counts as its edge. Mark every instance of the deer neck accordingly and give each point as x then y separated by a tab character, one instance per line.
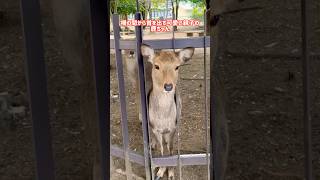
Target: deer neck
162	99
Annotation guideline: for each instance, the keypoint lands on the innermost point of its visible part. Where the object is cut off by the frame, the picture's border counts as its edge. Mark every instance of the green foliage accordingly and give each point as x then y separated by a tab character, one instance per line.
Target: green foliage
127	7
158	4
196	2
123	7
199	8
198	13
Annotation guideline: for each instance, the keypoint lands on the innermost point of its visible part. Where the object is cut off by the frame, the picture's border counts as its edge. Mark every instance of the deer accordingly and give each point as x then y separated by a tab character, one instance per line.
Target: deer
164	103
131	66
71	21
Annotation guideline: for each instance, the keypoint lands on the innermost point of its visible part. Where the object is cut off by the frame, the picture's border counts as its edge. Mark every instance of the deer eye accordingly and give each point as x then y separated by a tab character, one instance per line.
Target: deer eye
157	67
177	68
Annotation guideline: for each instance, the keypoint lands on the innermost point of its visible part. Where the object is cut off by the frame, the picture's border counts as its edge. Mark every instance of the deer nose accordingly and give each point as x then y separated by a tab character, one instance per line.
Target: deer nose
168	87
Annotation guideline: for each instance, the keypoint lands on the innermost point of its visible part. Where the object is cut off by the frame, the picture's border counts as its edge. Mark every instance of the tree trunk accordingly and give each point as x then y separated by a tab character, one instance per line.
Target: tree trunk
177	9
113	7
207	25
167	7
173	15
126	18
207	17
173	11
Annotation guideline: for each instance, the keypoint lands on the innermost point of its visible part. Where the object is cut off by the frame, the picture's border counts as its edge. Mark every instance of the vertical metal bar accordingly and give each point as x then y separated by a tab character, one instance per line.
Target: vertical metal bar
179	146
144	113
173	38
116	5
178	117
37	88
137	5
167	7
209	4
99	16
215	163
124	120
215	103
205	95
305	25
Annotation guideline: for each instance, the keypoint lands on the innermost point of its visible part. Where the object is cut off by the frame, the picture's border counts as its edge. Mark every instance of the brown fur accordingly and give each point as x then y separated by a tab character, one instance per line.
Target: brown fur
165	105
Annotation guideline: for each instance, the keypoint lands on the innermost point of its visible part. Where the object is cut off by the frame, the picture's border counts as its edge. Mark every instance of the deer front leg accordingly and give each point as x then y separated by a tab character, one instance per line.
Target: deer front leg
162	170
153	142
136	84
169	140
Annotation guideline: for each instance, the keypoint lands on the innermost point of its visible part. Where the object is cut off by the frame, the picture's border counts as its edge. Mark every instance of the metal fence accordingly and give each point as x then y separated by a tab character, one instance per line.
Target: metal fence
37	83
147	160
37	88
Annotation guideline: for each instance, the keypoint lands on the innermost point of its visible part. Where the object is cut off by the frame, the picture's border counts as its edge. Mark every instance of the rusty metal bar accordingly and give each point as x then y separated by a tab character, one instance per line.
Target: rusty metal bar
305	25
37	88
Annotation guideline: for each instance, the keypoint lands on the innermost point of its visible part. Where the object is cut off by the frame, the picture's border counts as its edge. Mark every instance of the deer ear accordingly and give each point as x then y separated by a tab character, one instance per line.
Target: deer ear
147	51
186	54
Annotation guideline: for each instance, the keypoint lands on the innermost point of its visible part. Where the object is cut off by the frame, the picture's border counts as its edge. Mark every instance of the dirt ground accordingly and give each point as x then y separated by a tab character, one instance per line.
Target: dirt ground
261	72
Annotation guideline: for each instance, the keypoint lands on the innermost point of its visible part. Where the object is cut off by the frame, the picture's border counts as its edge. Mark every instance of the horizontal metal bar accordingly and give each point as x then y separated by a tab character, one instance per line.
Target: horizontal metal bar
186	159
124	44
134	157
196	42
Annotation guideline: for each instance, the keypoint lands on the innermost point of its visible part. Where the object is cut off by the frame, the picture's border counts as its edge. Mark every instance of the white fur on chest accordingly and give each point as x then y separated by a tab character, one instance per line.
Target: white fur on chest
163	111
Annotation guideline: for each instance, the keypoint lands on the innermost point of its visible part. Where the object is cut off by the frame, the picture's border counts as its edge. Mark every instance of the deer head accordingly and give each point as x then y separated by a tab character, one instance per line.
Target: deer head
165	66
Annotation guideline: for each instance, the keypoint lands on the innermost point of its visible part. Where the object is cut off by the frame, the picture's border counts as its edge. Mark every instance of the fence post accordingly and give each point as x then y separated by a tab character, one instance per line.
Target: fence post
305	25
123	104
37	88
144	103
100	27
218	121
